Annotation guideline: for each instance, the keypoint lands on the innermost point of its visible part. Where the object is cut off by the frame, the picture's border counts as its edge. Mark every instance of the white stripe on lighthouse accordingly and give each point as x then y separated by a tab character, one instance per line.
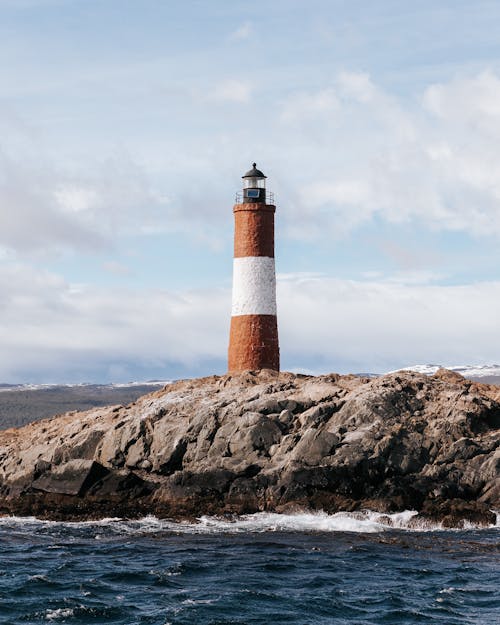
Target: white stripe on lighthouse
254	286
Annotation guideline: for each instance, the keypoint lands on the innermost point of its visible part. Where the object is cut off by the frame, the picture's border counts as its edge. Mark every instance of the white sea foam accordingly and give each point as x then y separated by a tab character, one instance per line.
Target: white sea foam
447	591
38	578
60	613
357	522
363	522
198	601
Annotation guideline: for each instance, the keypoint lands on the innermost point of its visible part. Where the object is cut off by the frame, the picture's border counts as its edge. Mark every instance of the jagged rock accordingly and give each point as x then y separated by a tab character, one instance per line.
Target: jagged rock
71	478
313	446
266	441
454	513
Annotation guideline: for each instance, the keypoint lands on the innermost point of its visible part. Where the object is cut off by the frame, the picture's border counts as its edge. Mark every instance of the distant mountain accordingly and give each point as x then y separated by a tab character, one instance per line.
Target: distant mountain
24	403
83	385
489	374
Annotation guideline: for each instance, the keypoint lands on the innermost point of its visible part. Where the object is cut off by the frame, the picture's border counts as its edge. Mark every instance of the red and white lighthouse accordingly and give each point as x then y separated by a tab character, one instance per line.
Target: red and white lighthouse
253	341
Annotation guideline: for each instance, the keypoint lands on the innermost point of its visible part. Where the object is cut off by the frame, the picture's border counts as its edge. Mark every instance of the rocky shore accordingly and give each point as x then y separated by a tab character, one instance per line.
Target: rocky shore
266	441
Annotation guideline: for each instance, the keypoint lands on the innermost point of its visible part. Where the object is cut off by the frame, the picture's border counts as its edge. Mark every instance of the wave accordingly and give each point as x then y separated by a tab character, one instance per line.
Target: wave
60	613
357	522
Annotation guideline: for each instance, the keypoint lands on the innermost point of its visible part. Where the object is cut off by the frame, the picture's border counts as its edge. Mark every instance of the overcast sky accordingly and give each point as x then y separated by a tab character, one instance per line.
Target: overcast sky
125	127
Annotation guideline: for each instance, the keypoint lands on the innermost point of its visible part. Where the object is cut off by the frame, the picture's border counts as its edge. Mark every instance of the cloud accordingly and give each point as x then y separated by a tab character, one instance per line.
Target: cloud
232	91
46	208
30	216
473	100
364	155
365	326
357	85
51	330
303	106
117	269
368	154
351	153
242	33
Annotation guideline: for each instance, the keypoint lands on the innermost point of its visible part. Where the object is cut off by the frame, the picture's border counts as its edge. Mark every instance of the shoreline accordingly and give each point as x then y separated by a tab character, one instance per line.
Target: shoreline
361	521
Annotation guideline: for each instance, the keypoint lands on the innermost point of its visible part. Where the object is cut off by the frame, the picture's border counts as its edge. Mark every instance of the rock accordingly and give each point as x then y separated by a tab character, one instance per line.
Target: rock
113	483
267	441
259	437
285	418
314	446
137	454
170	460
71	478
454	513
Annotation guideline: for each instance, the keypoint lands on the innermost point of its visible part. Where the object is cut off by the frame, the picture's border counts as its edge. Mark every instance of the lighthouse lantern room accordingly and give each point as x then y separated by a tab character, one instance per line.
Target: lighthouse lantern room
254	185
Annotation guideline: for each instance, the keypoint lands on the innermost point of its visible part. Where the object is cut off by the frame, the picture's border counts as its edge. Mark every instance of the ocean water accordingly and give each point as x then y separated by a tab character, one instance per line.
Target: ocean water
260	569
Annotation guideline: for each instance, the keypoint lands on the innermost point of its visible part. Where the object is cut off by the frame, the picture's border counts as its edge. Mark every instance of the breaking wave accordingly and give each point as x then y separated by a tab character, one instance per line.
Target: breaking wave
363	522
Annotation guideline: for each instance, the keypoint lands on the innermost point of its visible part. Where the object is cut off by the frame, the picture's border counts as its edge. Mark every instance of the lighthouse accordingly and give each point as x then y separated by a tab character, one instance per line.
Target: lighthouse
253	340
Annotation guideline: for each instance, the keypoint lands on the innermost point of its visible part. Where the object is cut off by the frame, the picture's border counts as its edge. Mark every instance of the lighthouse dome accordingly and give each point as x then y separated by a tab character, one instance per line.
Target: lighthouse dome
254	173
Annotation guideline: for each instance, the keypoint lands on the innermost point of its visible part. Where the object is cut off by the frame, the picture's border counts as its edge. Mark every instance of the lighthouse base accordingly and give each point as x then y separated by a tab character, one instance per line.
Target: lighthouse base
253	343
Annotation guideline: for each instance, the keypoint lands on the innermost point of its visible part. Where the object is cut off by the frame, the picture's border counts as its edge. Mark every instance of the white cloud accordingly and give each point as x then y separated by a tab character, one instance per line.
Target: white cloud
73	199
369	325
50	329
474	100
362	153
31	219
345	192
239	91
242	33
54	329
45	209
433	160
305	106
358	86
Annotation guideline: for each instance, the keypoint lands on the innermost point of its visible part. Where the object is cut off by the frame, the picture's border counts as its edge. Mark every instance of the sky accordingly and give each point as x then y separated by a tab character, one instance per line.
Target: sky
125	128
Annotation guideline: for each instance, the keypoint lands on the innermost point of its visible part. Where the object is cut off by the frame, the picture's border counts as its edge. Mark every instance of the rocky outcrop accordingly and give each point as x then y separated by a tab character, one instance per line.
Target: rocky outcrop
266	441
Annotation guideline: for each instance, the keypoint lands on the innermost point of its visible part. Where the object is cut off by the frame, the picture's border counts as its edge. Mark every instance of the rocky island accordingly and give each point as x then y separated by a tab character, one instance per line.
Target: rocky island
255	441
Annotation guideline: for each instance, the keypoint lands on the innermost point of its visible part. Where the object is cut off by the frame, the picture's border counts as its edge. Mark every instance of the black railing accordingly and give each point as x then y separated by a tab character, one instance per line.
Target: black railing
240	197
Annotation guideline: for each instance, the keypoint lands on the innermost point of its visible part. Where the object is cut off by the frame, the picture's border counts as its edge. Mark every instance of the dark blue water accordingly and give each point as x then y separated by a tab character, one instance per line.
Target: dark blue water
262	570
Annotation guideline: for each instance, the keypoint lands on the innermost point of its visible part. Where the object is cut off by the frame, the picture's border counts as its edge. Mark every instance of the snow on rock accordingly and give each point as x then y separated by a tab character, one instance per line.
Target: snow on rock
468	371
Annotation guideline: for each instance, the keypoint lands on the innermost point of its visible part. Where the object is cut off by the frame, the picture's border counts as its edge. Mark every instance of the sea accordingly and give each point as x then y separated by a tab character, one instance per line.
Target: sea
306	568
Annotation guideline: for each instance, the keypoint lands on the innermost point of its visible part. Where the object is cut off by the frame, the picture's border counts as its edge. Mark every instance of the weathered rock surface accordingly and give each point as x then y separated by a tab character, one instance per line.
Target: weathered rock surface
266	441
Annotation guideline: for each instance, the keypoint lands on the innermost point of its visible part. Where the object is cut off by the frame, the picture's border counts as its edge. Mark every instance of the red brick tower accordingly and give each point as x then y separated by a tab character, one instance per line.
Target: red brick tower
253	341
